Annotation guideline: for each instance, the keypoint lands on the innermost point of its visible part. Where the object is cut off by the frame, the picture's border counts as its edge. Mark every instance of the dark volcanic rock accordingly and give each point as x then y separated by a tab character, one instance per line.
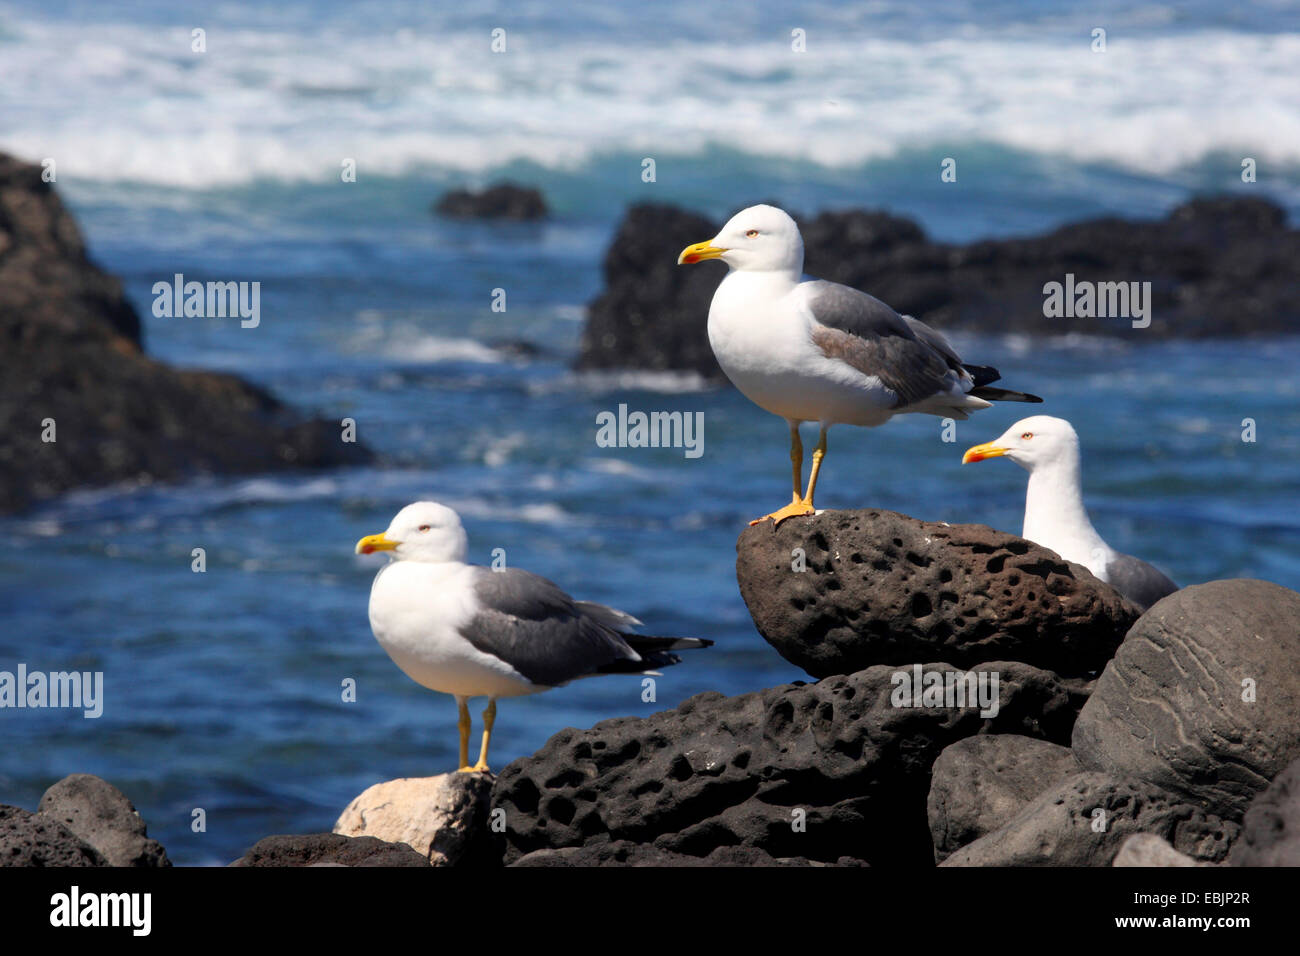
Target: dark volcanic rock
623	853
71	352
99	813
735	771
325	849
1169	708
1085	819
653	314
883	588
1197	259
27	839
502	201
981	783
1270	834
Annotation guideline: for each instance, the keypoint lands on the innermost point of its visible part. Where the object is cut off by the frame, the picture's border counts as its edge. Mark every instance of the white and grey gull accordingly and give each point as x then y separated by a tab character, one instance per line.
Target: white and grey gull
1055	516
810	350
472	631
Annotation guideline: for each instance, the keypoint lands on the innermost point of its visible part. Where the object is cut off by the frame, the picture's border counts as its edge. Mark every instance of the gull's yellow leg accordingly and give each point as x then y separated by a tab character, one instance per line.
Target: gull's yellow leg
818	454
489	718
462	703
796	461
797	505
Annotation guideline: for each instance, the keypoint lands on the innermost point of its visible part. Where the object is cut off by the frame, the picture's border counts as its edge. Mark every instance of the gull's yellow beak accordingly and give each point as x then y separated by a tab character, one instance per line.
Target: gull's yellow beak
698	253
374	542
980	452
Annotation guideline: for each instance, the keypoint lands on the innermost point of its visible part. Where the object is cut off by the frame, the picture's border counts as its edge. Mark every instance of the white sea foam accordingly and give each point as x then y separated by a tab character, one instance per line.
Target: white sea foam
289	99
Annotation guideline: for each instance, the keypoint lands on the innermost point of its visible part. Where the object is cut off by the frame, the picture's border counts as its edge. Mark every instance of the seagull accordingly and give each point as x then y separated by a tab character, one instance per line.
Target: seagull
1048	448
471	631
809	350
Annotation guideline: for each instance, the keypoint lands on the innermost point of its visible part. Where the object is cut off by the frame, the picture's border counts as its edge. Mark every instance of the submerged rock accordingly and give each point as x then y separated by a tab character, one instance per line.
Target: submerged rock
878	587
1197	260
502	201
1202	696
72	359
99	813
820	772
443	818
1085	819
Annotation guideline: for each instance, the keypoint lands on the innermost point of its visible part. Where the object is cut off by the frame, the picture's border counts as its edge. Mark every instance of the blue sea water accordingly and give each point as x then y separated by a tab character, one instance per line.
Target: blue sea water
223	689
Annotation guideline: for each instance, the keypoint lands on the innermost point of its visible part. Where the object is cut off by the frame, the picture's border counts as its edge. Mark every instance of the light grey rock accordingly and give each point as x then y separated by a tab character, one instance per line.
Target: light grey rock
443	818
1084	820
1147	849
101	814
980	783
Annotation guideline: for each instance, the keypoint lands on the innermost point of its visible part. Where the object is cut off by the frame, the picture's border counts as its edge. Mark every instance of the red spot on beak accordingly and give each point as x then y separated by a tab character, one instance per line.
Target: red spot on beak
691	259
367	549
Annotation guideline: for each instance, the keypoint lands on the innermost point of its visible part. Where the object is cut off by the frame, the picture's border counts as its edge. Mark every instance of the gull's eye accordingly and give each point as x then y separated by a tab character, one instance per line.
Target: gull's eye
752	234
424	527
1026	436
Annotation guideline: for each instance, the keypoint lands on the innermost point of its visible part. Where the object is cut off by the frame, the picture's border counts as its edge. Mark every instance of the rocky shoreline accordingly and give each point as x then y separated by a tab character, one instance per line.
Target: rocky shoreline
81	403
651	315
1170	738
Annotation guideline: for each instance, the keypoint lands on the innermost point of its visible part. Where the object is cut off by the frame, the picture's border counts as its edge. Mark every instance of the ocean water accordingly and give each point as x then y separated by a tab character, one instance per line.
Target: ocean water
223	689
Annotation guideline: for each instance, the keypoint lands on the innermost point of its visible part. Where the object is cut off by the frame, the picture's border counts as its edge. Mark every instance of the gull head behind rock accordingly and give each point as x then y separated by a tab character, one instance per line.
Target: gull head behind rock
1031	442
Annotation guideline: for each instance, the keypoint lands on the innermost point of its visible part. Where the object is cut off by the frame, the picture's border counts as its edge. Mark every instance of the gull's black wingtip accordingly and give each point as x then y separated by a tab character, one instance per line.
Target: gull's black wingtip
992	394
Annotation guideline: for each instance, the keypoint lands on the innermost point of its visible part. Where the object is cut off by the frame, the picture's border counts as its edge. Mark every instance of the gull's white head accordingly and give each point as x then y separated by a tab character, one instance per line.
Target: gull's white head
1031	442
757	239
424	531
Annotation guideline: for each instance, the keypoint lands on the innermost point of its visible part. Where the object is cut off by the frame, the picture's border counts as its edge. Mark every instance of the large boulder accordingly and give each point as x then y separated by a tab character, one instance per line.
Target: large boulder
1085	819
72	353
825	771
1270	834
100	814
878	587
1202	696
1197	259
653	314
980	783
28	839
444	818
328	849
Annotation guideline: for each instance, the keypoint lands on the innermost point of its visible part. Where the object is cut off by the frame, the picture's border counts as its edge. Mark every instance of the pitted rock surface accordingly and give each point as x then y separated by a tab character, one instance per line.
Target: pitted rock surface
880	587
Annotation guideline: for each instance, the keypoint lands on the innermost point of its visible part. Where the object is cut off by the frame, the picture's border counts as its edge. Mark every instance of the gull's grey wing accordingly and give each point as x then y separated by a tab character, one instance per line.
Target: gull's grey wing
531	624
1141	583
609	616
906	355
936	340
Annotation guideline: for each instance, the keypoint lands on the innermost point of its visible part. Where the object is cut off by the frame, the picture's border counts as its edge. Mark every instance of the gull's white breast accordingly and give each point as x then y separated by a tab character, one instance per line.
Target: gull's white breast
760	330
416	609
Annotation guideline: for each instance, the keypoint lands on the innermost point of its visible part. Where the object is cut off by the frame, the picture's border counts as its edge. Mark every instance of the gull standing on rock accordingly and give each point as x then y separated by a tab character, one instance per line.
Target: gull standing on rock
1048	448
470	631
809	350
